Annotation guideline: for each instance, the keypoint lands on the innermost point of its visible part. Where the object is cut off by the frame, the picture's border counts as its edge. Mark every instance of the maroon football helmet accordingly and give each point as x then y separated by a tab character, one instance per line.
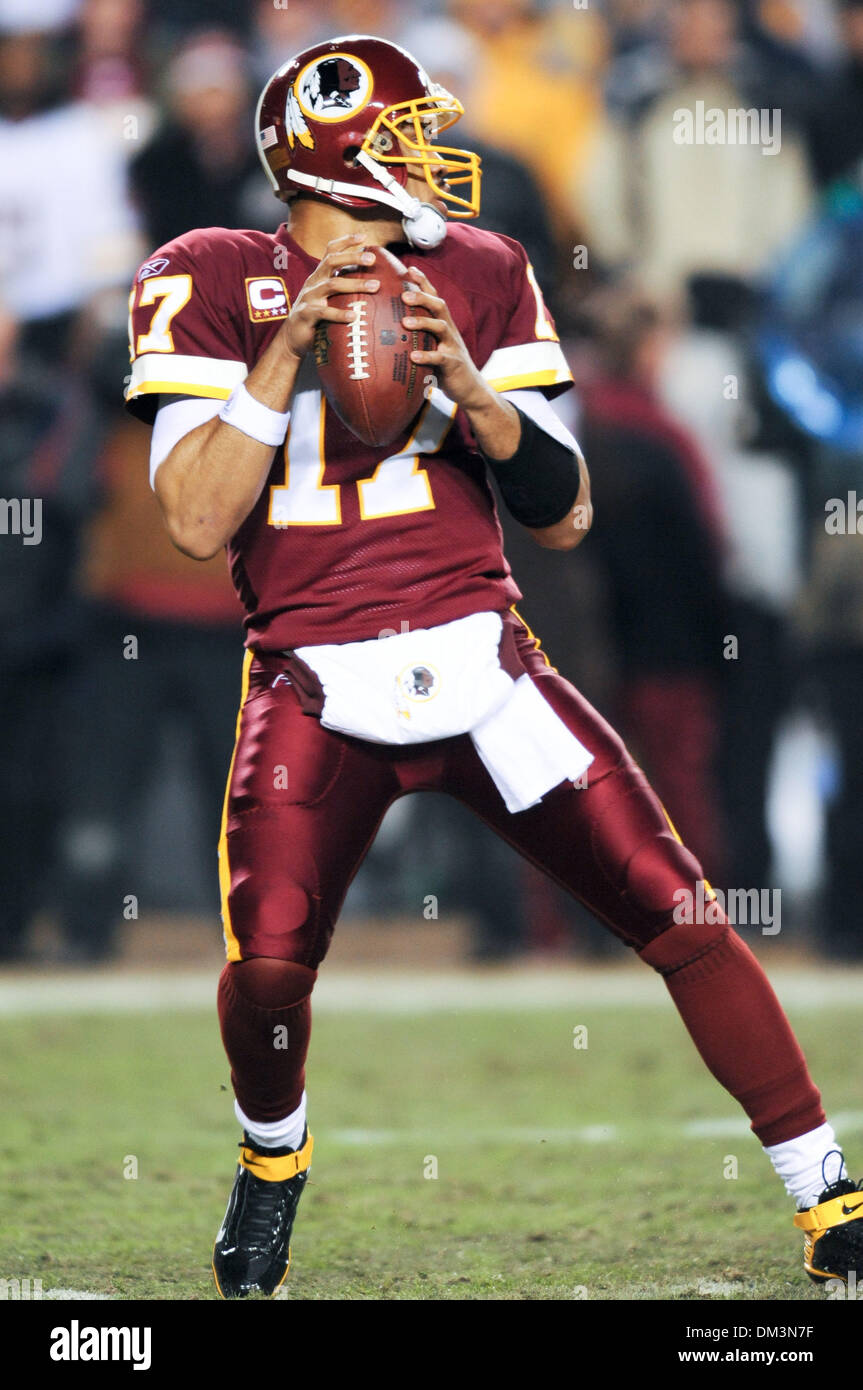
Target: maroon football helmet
348	117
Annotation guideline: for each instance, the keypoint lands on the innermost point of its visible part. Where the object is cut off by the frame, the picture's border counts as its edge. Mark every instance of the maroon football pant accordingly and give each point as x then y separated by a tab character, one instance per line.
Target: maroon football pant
304	805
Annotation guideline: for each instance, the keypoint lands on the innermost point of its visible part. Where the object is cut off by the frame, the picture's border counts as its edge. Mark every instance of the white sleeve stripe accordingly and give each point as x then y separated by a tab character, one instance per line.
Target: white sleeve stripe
158	371
542	412
507	366
173	422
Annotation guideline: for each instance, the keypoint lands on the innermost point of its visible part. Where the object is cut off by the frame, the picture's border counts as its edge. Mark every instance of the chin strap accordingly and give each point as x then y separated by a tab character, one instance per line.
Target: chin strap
423	225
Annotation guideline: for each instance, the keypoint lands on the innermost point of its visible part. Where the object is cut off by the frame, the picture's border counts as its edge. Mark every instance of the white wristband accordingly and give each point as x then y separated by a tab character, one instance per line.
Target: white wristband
253	418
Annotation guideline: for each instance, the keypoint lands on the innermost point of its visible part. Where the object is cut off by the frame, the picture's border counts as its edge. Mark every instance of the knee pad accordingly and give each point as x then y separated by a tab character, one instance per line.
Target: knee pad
267	919
657	870
664	876
268	983
634	843
654	873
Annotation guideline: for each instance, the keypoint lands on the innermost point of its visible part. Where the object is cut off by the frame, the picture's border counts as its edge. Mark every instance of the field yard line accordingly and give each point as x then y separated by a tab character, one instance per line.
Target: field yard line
723	1127
395	992
507	1134
76	1294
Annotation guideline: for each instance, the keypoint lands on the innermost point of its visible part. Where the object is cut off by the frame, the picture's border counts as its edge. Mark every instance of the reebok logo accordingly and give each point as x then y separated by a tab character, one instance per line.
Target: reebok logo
154	267
76	1343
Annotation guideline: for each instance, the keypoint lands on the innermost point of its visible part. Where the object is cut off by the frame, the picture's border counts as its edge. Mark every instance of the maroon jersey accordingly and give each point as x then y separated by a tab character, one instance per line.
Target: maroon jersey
348	540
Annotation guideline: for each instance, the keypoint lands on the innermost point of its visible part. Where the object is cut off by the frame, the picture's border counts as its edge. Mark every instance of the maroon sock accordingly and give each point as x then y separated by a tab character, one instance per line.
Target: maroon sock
740	1029
265	1016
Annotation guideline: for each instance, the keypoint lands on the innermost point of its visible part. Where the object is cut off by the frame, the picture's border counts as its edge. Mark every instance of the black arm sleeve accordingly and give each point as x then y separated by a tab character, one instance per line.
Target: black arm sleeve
540	483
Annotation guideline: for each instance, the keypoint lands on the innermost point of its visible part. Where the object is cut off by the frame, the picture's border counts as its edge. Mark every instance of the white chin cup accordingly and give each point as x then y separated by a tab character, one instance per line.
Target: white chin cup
423	225
425	228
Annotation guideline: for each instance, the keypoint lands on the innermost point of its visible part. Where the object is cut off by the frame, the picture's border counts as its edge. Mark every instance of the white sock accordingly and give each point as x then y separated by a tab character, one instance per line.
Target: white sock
800	1164
278	1134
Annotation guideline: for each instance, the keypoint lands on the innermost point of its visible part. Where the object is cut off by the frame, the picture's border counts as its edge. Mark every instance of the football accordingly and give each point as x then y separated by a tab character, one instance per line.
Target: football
365	366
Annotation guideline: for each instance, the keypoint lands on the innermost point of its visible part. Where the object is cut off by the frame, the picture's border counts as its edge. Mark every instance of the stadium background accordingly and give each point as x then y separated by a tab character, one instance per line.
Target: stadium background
710	300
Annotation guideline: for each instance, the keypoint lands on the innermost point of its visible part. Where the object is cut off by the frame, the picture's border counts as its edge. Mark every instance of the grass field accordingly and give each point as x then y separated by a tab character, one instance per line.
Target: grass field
562	1171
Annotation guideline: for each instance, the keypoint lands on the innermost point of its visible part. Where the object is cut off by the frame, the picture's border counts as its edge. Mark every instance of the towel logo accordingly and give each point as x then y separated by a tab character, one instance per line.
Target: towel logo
419	683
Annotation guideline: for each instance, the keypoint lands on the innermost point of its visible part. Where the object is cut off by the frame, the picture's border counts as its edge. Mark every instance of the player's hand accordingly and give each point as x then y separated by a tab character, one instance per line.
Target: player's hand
457	373
311	304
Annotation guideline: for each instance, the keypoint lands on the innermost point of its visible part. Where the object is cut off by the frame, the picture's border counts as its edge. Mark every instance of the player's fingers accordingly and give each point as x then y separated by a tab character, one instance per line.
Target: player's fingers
353	255
414	273
428	301
436	356
439	327
311	309
335	315
347	284
339	263
347	242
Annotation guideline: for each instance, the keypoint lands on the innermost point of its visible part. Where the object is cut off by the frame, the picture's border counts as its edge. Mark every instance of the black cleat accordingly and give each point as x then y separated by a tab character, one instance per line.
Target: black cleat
252	1253
833	1233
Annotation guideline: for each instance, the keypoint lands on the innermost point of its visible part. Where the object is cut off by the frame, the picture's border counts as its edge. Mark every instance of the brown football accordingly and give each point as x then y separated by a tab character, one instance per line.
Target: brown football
365	366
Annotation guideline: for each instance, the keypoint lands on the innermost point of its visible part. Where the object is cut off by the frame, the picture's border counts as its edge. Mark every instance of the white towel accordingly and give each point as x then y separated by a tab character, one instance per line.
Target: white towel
415	686
440	682
527	748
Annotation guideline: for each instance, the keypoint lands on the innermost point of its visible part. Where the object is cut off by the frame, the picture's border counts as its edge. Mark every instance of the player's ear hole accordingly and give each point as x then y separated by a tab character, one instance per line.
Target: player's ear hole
350	155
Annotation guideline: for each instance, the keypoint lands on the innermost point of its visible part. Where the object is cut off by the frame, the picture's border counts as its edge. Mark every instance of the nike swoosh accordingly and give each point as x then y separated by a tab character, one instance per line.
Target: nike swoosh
849	1211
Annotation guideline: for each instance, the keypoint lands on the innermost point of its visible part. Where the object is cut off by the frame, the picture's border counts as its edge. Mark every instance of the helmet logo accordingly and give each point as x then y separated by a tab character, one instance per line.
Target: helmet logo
295	124
333	88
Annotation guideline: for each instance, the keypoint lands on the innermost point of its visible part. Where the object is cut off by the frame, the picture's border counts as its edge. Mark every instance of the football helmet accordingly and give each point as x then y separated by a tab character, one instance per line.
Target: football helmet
350	118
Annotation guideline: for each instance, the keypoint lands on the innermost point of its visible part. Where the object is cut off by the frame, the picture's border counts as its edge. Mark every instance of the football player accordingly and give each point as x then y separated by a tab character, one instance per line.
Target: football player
362	569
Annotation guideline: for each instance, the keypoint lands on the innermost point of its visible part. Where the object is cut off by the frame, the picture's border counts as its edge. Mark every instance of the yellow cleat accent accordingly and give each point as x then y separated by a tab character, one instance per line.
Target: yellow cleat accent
277	1167
817	1221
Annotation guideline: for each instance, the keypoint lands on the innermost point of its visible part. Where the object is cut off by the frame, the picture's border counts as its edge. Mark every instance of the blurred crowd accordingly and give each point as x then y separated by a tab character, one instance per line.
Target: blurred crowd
709	296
